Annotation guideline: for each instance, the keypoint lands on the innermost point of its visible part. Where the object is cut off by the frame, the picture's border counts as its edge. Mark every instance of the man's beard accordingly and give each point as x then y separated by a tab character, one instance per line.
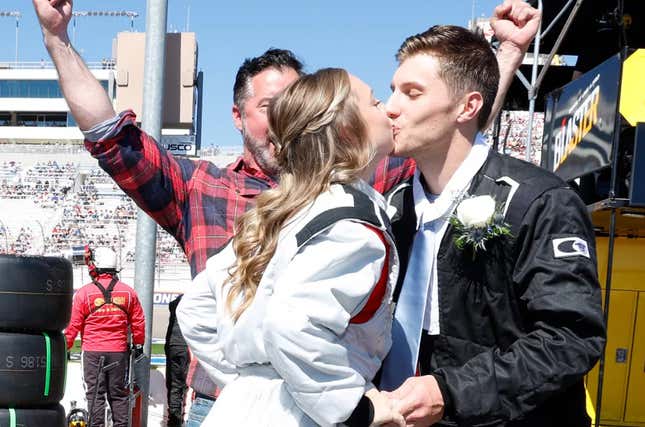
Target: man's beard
261	153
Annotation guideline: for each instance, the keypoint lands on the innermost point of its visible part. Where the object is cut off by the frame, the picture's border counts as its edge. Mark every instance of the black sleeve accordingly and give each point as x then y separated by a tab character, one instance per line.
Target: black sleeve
363	414
560	305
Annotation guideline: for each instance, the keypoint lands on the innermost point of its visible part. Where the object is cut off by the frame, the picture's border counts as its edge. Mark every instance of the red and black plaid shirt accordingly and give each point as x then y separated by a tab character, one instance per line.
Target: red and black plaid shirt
194	200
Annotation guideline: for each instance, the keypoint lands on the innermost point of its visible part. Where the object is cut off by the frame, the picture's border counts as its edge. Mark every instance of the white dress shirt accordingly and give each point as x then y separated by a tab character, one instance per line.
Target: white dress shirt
433	213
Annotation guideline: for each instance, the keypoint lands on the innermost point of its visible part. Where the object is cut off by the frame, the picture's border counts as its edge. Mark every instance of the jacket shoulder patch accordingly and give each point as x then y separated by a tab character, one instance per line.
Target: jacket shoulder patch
570	246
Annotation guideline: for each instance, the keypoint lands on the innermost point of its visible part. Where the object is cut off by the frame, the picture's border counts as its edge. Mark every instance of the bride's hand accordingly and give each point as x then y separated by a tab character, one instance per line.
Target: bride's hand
384	412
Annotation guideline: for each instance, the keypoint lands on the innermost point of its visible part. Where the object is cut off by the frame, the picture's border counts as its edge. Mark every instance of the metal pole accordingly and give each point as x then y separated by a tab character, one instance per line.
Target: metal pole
198	127
118	235
558	42
6	238
17	27
144	269
42	235
472	17
612	218
188	18
533	90
158	273
537	82
557	18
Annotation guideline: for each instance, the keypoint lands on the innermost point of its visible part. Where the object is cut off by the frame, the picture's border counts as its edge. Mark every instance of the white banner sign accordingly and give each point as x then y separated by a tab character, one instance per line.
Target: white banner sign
181	145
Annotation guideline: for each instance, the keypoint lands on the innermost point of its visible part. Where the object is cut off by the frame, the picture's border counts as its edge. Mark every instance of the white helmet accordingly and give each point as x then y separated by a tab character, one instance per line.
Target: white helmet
104	259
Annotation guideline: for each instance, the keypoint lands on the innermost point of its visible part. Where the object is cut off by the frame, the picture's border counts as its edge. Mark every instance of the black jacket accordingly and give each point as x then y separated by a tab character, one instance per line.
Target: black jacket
173	333
520	327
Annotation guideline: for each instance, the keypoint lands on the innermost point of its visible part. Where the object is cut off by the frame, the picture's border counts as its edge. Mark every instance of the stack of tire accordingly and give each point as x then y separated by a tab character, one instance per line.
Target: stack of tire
35	306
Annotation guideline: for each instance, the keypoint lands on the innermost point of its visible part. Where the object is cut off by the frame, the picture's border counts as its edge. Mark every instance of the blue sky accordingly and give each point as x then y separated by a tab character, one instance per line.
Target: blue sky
359	35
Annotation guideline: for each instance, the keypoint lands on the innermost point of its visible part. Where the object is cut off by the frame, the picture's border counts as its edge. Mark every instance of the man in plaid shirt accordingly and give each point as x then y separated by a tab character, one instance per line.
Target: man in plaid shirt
194	200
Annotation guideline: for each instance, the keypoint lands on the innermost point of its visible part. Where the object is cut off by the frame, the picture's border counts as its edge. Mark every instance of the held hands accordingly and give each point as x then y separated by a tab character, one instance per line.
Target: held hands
384	412
54	16
419	400
515	24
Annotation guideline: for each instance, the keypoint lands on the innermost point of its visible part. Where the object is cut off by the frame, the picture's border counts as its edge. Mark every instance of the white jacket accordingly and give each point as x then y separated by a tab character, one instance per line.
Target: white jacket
297	332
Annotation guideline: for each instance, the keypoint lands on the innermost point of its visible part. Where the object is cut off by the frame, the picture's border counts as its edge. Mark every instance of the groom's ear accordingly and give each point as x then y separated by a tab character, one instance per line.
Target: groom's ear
471	104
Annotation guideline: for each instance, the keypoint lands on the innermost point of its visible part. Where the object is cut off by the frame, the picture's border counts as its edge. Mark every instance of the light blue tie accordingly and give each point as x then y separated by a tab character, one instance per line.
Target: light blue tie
401	362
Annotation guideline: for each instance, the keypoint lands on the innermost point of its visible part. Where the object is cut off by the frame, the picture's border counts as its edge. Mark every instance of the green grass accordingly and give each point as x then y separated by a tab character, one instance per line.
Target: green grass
157	349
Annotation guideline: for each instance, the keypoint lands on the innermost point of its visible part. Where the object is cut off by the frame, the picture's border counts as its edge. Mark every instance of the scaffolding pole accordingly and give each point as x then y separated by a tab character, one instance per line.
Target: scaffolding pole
152	113
533	87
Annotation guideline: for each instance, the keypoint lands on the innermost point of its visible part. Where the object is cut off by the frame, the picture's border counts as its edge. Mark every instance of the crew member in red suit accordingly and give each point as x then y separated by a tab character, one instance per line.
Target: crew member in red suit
102	311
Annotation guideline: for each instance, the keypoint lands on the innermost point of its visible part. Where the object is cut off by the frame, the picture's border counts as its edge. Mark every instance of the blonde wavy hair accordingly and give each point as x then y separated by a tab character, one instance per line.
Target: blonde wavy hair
320	138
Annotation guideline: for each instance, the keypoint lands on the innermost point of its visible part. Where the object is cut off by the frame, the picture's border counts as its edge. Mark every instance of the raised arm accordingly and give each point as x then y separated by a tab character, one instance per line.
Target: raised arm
515	24
141	167
86	98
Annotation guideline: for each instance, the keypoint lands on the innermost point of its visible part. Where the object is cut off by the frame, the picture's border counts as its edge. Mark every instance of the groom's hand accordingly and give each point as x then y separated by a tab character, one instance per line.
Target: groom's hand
419	400
515	24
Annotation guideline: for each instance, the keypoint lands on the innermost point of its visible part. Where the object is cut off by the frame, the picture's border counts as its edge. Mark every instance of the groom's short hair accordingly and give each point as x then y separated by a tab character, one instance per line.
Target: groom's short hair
466	62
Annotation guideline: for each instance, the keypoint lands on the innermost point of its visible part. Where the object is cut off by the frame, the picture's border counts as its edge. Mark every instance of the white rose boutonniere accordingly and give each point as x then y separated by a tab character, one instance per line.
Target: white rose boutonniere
477	220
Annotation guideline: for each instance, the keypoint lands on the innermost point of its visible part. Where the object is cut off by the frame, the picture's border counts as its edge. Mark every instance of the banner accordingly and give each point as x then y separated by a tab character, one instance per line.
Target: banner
579	122
180	145
164	298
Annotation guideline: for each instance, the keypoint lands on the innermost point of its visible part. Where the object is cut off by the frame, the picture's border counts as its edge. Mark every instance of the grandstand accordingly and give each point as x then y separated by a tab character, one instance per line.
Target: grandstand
54	198
514	134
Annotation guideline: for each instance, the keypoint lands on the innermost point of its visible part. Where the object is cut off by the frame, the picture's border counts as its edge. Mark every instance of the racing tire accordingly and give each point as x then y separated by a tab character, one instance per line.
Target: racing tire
35	293
53	416
32	369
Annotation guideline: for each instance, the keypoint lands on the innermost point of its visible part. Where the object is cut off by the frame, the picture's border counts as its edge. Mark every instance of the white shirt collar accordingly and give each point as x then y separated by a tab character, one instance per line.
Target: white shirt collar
454	190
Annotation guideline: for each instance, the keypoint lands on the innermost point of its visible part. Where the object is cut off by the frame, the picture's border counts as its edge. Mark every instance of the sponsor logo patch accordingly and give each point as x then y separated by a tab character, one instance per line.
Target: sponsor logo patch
570	246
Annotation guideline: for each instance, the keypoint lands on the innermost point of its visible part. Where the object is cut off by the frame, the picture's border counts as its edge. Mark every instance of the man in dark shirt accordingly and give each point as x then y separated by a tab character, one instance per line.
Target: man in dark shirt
177	359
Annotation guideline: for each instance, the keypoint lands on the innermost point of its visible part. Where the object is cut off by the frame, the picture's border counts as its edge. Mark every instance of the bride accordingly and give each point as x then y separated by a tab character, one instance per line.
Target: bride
292	319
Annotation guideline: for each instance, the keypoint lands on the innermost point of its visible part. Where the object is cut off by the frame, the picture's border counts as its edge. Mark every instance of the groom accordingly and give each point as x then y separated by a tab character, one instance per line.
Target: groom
500	318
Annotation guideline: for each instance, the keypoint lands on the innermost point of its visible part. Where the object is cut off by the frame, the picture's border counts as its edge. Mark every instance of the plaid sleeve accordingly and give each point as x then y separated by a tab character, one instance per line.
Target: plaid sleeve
145	171
391	171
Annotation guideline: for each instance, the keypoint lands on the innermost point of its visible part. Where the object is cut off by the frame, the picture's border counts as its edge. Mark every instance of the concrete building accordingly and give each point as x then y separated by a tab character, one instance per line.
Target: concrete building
33	111
32	108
